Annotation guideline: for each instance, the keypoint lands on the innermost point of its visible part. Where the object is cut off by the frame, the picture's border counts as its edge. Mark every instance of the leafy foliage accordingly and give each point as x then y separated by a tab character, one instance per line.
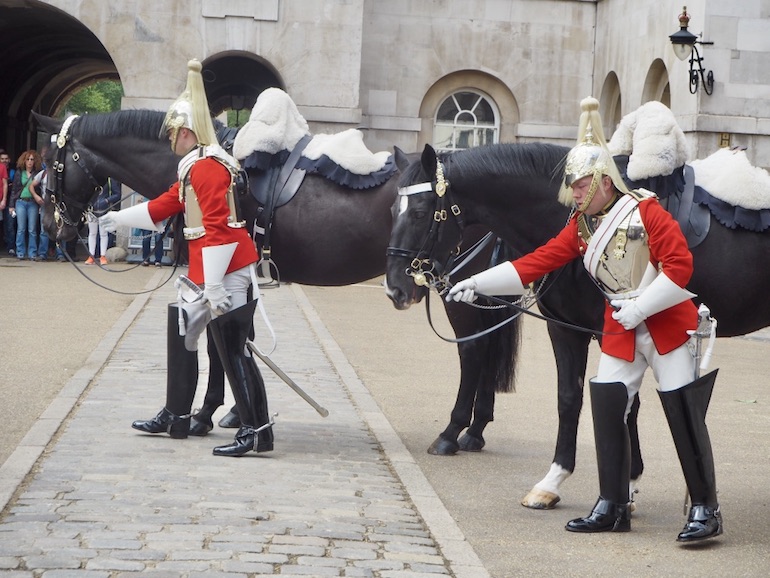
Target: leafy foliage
101	96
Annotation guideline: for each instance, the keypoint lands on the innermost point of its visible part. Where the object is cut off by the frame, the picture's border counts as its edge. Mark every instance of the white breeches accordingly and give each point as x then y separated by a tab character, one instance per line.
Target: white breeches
199	313
672	370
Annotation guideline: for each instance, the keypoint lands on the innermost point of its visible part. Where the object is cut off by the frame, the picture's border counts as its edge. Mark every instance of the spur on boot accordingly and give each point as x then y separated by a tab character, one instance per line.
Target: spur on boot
245	442
605	517
176	426
702	523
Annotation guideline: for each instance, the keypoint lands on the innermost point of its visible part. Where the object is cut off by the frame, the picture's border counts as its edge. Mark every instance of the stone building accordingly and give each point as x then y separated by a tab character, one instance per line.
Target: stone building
452	73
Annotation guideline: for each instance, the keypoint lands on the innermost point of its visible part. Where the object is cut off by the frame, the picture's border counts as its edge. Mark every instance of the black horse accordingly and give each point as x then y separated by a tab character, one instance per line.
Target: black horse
512	190
327	235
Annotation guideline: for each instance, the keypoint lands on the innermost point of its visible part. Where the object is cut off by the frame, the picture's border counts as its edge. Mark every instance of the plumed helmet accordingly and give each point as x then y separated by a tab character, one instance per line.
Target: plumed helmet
585	159
590	156
191	109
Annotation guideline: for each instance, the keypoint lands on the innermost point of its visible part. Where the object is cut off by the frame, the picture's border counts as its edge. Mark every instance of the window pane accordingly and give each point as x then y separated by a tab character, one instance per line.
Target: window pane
467	100
442	137
465	118
447	110
464	138
484	112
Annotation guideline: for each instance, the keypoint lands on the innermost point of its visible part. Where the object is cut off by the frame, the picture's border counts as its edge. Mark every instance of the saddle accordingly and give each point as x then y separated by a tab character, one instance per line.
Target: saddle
676	193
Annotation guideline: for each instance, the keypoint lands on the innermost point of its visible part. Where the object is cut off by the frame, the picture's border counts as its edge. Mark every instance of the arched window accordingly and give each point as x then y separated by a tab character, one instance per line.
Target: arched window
465	119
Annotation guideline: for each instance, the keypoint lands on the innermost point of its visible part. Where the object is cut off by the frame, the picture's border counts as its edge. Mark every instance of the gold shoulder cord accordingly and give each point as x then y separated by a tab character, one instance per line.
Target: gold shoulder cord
584	229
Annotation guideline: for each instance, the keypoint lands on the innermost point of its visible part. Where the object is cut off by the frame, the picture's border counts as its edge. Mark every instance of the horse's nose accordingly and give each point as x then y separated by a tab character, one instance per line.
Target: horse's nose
397	296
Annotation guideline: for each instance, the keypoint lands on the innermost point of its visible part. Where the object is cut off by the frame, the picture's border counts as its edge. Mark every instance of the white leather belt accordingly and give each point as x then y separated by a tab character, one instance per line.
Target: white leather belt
192	233
627	295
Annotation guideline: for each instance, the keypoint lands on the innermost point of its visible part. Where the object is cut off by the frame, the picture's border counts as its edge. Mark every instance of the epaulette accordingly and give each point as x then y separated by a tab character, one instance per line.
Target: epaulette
642	194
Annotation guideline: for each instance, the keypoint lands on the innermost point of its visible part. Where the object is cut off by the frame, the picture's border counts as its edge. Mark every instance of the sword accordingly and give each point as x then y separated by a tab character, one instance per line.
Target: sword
191	292
707	328
286	379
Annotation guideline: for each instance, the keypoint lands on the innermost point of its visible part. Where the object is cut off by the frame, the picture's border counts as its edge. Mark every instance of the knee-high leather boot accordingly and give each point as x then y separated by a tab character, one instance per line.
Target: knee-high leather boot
613	457
181	380
201	422
685	410
230	332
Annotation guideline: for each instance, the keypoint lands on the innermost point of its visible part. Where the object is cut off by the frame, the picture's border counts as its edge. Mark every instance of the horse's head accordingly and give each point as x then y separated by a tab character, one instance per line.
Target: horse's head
426	231
70	185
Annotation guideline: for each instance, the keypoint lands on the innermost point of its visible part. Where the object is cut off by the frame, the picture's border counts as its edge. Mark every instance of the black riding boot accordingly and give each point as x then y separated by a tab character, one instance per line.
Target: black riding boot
201	422
685	410
613	457
181	380
230	332
231	419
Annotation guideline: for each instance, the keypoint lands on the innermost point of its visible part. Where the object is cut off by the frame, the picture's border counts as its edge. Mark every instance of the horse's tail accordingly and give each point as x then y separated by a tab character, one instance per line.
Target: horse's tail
500	349
501	346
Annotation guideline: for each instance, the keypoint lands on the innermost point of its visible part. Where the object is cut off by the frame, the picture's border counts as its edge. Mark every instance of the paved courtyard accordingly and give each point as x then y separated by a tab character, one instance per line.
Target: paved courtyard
353	494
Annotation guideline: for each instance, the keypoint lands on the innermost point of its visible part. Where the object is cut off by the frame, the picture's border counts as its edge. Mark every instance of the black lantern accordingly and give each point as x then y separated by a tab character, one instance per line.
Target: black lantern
685	44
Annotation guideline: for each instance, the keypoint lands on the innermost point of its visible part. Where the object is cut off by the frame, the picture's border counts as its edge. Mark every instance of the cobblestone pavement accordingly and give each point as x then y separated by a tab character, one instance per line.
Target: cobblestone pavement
85	495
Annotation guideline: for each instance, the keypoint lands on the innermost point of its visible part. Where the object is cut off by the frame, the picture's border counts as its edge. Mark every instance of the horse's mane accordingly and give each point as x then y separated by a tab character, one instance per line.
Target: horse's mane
525	159
142	124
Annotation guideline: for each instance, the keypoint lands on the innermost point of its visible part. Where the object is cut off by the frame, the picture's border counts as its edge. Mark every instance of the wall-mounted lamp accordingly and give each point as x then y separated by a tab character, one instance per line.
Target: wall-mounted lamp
685	44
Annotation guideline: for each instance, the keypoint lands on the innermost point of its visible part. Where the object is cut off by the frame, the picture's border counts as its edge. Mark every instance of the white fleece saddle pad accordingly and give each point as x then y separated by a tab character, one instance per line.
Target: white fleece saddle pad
275	125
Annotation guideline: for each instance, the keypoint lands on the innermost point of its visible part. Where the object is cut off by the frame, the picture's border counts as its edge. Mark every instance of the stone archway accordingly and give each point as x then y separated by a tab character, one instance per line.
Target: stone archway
46	54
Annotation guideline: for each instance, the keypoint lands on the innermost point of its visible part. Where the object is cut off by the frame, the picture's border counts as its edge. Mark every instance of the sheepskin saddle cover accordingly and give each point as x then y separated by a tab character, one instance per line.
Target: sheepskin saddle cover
736	192
275	127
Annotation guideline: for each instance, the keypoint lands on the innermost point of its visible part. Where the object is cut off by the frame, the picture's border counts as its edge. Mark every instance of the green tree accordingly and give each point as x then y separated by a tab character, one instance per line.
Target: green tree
101	96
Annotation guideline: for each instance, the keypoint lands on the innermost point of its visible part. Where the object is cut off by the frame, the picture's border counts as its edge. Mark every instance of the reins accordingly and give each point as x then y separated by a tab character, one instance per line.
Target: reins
59	200
425	272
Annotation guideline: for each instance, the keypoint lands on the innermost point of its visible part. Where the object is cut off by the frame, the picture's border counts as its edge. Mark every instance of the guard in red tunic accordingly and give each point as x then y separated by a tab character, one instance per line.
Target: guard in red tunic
638	257
222	258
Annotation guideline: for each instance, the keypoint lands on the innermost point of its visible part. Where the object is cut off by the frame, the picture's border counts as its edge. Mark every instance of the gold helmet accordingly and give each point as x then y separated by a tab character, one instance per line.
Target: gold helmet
590	157
191	110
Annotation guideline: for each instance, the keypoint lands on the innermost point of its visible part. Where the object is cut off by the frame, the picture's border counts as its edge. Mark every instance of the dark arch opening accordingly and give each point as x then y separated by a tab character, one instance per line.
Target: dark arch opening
234	80
46	55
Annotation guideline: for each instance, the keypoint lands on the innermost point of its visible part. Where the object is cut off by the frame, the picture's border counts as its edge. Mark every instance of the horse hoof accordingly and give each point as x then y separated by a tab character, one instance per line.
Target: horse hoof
470	443
540	500
443	447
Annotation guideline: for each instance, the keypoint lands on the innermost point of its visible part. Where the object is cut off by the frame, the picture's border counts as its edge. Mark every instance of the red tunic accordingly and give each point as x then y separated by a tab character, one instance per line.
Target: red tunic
668	253
210	180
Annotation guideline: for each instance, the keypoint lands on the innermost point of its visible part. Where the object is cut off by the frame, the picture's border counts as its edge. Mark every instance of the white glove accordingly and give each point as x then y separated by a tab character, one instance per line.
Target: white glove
627	313
463	291
659	295
218	298
109	221
502	279
137	216
216	260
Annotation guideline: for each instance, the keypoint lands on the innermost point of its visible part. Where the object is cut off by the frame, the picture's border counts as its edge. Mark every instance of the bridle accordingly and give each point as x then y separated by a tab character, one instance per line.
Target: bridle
427	272
61	201
58	197
424	269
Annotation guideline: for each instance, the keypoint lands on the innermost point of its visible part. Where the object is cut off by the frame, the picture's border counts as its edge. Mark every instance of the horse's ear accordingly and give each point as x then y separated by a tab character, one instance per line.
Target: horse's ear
402	160
428	160
47	124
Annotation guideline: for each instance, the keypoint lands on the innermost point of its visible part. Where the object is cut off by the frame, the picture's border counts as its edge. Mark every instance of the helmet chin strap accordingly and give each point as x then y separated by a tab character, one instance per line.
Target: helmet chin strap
591	192
174	137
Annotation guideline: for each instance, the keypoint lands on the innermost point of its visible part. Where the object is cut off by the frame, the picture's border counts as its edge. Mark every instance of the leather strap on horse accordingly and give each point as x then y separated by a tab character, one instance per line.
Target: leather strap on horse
693	219
685	204
288	176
